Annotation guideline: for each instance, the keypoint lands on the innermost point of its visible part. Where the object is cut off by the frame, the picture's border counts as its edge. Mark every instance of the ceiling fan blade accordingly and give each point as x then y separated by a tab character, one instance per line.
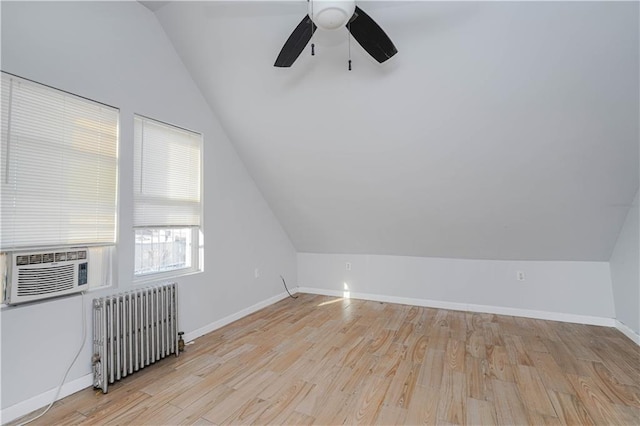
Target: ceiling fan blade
370	36
295	43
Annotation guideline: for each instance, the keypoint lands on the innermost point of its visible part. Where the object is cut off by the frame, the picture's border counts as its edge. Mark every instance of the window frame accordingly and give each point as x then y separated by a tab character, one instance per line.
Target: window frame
194	258
196	249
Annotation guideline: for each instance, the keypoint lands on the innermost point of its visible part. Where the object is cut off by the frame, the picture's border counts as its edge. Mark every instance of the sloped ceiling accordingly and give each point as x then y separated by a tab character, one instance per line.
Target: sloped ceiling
501	130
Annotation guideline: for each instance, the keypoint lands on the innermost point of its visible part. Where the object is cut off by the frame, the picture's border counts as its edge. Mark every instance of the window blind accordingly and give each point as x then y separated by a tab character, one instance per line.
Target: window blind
58	167
167	162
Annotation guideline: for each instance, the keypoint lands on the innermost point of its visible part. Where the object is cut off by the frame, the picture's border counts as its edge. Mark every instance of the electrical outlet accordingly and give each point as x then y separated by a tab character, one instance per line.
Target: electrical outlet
348	266
520	275
256	273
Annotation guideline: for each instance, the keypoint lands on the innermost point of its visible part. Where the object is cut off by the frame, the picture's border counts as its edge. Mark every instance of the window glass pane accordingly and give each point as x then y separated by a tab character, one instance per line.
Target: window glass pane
163	249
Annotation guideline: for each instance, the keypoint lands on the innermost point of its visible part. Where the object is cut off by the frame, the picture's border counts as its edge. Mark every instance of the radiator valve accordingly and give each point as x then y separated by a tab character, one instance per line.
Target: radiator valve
180	341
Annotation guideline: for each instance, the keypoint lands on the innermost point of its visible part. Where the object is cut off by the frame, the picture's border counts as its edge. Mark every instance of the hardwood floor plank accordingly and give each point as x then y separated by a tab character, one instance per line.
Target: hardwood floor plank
563	357
507	403
279	407
480	412
458	325
454	355
226	406
580	346
431	370
62	418
296	418
395	316
550	372
381	341
154	414
499	366
316	400
530	384
623	358
451	408
193	408
620	393
327	360
597	404
248	412
338	409
516	350
404	333
570	409
391	416
402	385
418	349
478	379
369	400
493	335
117	409
475	344
423	408
389	363
357	375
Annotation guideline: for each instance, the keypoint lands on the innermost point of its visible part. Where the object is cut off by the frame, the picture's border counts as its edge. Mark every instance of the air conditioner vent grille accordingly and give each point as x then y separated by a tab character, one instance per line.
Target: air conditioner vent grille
47	273
45	280
51	257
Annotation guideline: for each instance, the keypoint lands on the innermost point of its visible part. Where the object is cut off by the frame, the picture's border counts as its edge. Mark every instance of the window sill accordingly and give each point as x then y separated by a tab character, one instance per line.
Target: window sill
164	276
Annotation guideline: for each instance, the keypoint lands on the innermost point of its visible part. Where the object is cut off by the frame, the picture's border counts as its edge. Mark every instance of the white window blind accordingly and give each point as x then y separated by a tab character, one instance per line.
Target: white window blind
167	162
58	167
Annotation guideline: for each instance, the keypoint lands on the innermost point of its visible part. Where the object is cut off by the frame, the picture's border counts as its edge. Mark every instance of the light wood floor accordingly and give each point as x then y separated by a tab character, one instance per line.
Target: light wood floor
322	360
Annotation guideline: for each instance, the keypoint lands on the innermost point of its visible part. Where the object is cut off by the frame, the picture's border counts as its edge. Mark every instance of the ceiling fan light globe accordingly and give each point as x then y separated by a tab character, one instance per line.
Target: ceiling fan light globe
330	15
330	19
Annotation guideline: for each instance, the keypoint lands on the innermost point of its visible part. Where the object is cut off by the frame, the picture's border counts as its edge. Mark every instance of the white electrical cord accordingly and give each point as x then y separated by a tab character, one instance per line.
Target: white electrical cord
55	398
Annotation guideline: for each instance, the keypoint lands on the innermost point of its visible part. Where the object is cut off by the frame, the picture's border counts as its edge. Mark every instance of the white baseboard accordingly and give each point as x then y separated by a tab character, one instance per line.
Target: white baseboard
44	399
624	329
456	306
192	335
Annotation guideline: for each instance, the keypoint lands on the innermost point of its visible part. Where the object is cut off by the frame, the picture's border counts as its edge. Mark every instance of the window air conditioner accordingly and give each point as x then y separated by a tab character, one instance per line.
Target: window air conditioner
43	274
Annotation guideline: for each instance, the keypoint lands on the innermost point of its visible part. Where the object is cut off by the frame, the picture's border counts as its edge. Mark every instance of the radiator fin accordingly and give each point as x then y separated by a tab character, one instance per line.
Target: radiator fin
132	330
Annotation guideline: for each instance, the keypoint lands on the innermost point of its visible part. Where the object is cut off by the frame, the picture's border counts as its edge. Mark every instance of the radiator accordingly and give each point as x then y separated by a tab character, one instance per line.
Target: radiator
132	330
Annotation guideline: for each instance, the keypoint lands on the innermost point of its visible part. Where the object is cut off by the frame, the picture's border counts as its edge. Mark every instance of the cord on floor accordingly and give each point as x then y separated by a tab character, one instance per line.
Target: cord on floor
285	287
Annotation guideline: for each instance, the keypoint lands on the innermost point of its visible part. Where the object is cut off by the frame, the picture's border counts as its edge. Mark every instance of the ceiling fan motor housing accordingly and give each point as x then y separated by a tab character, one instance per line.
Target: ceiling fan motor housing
329	15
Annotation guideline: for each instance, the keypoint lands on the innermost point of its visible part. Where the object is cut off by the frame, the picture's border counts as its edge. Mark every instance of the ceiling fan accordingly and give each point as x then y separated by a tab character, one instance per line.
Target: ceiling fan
330	15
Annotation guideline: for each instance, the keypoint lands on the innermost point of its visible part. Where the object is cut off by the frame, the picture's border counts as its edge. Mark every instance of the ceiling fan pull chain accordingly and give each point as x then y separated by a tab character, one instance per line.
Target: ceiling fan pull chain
313	46
349	42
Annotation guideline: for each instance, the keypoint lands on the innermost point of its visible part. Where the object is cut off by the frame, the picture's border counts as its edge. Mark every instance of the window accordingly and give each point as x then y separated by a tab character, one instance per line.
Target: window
167	195
58	168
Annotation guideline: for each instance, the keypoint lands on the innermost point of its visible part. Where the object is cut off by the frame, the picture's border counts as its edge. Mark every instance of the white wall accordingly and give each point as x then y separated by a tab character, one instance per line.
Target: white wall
501	129
572	291
625	274
117	53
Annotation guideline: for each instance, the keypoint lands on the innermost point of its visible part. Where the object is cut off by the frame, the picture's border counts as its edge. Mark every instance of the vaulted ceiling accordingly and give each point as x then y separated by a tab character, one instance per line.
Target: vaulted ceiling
501	130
